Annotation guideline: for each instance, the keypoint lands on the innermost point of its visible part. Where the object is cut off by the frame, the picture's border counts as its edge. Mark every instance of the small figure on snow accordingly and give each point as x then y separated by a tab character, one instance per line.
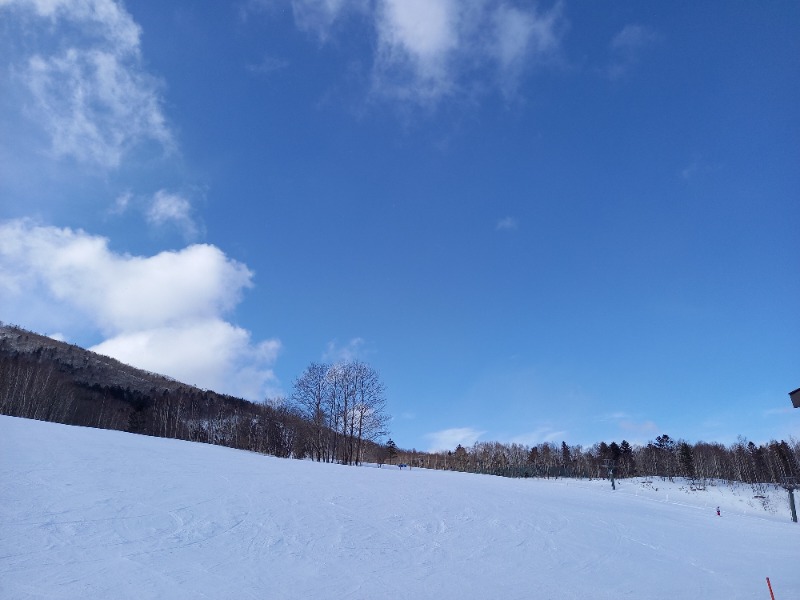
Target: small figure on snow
719	515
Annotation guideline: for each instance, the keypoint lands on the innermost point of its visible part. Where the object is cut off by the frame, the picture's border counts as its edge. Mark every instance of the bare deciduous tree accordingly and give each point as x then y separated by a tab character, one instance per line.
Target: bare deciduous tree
345	406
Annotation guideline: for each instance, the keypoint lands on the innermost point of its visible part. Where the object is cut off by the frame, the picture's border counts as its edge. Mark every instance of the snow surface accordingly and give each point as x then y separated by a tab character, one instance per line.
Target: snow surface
87	513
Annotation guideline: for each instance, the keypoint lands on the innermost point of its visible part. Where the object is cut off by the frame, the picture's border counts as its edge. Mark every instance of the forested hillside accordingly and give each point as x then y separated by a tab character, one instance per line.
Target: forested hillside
44	379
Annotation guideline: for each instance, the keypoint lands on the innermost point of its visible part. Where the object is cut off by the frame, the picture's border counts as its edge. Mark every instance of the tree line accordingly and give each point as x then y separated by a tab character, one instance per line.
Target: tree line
665	457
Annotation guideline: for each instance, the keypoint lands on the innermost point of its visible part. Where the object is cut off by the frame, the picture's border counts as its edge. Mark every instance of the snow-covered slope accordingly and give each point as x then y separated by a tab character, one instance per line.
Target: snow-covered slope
88	513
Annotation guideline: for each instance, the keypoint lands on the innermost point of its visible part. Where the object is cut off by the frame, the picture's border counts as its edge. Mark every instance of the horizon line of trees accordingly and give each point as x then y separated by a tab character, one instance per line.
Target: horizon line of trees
665	457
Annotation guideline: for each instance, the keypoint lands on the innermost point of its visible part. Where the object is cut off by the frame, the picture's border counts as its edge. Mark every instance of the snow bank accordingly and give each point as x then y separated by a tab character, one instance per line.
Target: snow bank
88	513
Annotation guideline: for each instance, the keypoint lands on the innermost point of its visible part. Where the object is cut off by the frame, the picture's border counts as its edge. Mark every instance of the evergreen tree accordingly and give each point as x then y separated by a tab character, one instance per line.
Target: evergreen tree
391	450
566	458
614	451
686	459
626	459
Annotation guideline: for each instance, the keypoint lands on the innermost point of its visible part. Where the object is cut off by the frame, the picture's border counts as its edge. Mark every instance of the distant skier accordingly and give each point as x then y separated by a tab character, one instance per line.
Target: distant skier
719	515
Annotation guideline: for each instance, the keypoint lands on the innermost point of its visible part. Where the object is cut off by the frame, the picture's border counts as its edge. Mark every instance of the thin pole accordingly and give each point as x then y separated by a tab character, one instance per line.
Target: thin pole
769	585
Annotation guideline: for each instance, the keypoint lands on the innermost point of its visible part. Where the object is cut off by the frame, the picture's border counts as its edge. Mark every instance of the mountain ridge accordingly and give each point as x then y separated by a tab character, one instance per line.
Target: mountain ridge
86	366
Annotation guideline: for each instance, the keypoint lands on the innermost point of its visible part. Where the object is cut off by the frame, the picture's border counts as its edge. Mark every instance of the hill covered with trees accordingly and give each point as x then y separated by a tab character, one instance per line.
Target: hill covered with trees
45	379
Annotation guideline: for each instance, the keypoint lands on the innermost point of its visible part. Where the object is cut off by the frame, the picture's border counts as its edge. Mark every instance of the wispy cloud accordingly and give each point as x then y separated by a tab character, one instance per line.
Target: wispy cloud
353	350
121	203
634	428
614	417
449	439
698	168
430	50
320	17
92	96
539	436
523	38
167	208
690	170
638	427
506	224
626	49
268	64
165	312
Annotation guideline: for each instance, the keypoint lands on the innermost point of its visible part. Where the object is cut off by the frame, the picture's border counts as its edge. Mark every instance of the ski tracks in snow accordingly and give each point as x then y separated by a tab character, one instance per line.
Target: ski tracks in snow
98	514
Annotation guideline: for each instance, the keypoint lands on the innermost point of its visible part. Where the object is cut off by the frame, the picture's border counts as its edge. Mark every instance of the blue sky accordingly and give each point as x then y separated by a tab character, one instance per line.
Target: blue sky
539	221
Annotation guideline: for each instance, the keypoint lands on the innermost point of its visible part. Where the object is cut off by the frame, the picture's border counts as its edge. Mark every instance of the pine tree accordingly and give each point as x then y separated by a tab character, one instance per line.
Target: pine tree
566	457
686	459
391	450
614	451
626	458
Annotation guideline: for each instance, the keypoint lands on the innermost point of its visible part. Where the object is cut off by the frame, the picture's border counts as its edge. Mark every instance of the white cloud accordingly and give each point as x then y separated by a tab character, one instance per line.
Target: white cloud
417	41
89	92
122	292
168	208
430	50
209	353
449	439
107	18
163	312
